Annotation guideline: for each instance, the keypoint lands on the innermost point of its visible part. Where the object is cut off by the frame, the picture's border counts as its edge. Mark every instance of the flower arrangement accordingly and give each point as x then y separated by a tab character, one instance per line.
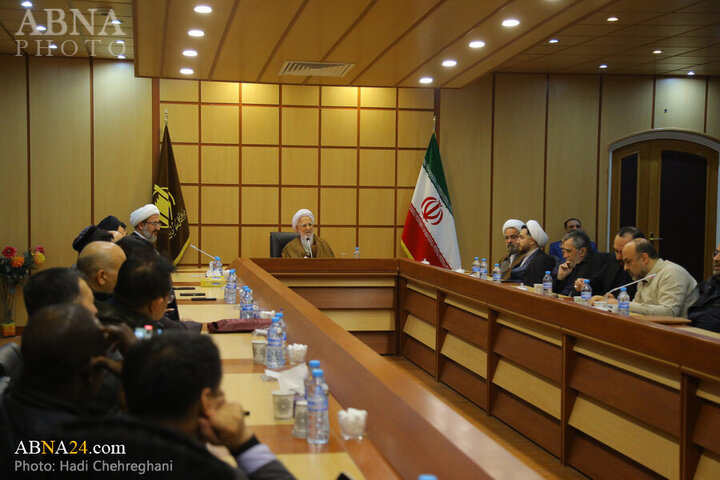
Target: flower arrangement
15	267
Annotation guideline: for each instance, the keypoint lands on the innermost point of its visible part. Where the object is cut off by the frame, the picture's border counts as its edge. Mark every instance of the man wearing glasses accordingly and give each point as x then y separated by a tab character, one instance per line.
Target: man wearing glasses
511	230
146	222
705	312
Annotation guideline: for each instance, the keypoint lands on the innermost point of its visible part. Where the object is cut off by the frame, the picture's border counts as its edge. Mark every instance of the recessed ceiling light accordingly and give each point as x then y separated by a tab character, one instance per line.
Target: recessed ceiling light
657	52
553	40
119	41
190	52
53	46
426	80
26	4
115	21
691	73
203	9
511	22
196	33
476	44
121	57
449	63
41	28
187	71
602	66
612	19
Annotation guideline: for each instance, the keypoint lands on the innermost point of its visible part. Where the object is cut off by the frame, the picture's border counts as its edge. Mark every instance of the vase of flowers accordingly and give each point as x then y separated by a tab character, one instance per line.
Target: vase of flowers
15	267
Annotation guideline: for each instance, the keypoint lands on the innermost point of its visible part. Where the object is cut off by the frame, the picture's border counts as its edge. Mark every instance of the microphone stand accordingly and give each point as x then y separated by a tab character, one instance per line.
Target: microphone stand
648	277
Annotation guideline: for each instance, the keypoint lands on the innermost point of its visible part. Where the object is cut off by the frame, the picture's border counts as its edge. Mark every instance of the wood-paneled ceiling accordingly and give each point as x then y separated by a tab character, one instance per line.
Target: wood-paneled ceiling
394	42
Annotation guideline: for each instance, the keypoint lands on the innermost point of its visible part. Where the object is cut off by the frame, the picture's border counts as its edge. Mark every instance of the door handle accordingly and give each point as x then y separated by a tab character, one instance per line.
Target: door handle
653	237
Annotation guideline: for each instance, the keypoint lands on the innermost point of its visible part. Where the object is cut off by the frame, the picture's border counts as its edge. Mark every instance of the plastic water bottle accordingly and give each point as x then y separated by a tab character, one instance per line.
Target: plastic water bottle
476	267
312	364
273	351
231	288
586	292
217	266
318	421
247	310
483	268
356	253
623	302
547	283
497	274
283	325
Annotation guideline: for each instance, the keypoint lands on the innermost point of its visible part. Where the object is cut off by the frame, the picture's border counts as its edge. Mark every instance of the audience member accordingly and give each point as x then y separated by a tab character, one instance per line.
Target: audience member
581	261
146	222
141	295
613	275
100	263
511	230
63	367
535	262
112	224
556	247
57	285
307	244
89	234
172	387
705	312
669	293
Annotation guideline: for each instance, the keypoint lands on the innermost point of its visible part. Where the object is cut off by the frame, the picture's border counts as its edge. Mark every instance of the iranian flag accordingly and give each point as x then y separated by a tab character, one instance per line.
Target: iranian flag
429	232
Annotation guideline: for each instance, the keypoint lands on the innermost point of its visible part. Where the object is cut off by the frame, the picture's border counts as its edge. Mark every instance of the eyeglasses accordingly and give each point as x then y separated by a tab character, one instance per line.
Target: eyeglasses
154	224
511	237
715	253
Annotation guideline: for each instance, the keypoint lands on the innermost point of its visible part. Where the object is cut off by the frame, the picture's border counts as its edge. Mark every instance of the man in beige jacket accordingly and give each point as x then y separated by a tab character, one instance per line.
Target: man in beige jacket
671	289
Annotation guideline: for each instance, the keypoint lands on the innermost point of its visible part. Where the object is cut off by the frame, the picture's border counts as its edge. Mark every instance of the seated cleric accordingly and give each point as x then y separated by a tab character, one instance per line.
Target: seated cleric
307	245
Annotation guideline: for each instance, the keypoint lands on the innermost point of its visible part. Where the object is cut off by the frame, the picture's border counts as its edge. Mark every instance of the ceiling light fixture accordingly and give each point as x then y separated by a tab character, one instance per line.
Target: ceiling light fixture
449	63
203	9
187	71
426	80
691	73
115	21
553	40
612	19
657	52
41	28
511	22
53	46
190	52
121	57
26	4
602	66
476	44
196	32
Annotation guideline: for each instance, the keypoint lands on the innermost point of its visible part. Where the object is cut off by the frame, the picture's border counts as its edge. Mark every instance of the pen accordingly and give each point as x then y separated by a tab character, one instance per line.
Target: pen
203	299
192	294
183	288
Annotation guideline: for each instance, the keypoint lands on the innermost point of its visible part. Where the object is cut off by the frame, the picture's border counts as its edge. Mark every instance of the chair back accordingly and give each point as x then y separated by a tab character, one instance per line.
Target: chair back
278	240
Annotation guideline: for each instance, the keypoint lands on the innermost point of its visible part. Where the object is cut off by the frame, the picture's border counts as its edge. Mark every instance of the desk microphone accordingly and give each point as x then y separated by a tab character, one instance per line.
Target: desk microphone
309	241
652	275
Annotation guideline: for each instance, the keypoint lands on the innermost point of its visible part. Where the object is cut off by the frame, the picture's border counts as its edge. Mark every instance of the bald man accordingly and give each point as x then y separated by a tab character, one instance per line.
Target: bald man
670	292
100	262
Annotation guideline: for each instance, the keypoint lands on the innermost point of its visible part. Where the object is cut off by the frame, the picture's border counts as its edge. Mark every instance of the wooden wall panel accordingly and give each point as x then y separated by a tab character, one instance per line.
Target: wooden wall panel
465	143
571	152
178	90
14	157
519	139
680	103
626	109
220	164
123	140
713	110
220	92
377	167
60	143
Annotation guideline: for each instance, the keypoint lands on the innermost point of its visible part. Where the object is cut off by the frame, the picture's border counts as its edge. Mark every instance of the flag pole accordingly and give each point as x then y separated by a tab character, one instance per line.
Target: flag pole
166	117
434	120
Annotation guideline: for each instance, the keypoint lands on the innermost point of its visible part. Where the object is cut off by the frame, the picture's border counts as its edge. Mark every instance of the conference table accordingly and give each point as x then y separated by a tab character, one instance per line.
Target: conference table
612	396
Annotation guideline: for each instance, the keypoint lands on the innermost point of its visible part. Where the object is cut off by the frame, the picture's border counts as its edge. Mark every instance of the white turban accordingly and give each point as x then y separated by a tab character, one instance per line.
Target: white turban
303	212
537	233
512	223
143	213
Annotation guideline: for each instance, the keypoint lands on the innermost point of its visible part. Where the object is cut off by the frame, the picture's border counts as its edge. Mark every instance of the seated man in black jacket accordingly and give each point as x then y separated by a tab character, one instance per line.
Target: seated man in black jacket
531	240
705	312
581	261
63	366
172	387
